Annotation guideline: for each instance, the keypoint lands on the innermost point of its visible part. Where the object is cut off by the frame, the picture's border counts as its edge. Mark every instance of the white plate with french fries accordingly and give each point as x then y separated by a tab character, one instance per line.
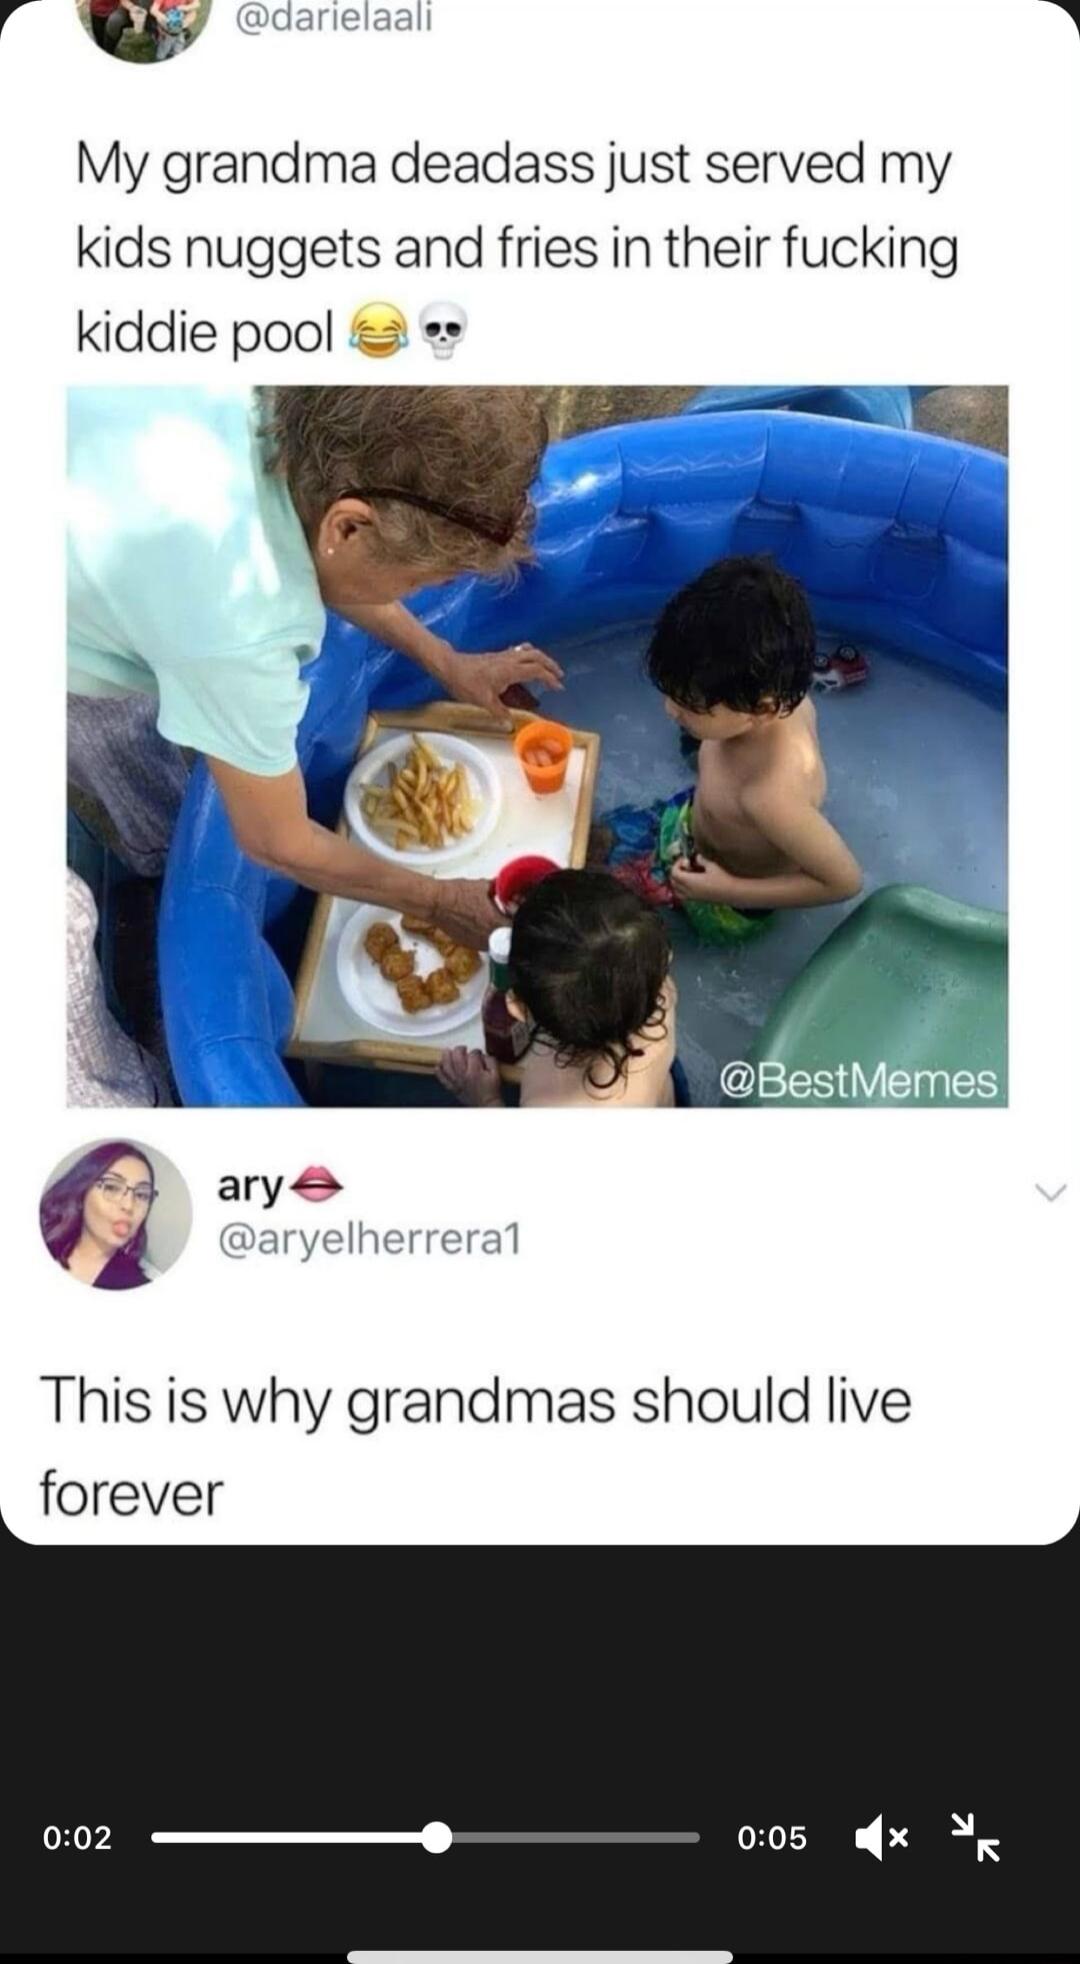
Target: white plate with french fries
423	800
376	998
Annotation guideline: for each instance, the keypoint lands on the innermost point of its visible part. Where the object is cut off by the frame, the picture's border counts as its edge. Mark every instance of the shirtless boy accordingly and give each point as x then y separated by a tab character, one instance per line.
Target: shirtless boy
732	655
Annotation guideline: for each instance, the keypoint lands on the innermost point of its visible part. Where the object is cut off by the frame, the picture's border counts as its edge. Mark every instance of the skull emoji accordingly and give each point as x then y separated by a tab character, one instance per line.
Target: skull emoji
442	326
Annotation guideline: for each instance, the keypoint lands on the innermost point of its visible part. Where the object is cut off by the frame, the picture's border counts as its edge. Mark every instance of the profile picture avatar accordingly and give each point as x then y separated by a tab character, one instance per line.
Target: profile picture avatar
154	32
115	1215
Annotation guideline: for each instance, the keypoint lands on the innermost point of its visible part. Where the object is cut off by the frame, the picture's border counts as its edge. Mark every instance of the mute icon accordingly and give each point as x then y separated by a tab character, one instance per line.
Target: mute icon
870	1838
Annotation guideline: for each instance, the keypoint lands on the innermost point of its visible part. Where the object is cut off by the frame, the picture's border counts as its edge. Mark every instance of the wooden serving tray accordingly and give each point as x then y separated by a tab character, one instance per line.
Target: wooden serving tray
325	1029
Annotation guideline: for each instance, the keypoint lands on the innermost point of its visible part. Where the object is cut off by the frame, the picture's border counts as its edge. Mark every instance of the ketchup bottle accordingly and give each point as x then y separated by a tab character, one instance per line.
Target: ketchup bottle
505	1036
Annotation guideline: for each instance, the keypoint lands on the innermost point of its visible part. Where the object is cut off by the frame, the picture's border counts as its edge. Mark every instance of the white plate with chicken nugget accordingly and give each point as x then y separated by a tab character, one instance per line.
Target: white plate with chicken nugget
407	980
423	800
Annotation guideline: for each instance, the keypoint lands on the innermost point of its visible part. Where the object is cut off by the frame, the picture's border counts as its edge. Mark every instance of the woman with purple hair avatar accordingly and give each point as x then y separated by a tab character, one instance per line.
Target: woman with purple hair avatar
93	1218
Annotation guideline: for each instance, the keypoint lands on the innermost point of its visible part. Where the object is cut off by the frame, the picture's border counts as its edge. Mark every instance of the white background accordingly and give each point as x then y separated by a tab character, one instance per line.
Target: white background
898	1248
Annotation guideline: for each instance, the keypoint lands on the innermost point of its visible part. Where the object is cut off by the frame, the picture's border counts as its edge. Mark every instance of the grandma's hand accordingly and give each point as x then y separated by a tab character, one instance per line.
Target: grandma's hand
465	910
483	679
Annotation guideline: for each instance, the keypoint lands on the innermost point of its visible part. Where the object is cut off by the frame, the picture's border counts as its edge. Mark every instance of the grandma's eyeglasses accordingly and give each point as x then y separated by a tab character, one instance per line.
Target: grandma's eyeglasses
114	1188
496	535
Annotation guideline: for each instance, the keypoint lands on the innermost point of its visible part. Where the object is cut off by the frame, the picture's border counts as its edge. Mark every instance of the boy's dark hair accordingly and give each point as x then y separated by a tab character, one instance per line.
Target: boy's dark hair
589	960
741	634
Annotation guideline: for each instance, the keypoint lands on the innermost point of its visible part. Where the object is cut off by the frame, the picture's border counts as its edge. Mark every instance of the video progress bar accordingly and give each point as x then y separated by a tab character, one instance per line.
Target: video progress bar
569	1834
436	1837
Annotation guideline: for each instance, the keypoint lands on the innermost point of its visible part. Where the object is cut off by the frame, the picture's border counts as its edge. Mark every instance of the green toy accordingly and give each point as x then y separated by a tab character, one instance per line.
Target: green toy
909	996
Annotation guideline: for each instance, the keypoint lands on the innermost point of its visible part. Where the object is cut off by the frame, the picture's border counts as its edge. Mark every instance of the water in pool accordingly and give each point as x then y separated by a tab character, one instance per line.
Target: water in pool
916	766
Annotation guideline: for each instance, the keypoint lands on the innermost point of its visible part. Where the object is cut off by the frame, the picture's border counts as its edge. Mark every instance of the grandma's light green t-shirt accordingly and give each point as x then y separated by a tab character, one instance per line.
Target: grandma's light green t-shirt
189	576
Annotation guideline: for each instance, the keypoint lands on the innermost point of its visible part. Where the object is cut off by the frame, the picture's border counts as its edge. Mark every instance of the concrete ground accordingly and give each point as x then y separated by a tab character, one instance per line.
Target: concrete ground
969	415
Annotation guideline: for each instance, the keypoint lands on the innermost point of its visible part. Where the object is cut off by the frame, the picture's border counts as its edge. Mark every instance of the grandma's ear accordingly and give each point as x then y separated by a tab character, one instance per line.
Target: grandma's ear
339	526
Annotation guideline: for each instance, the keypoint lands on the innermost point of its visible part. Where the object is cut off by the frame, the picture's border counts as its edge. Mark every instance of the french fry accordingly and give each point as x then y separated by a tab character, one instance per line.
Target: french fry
424	802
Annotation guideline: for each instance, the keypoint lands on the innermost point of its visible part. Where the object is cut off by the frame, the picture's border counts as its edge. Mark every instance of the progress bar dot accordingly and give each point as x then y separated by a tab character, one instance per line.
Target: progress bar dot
436	1838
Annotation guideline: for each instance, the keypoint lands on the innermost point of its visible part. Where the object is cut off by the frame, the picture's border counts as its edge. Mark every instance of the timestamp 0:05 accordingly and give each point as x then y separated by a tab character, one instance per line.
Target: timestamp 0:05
774	1838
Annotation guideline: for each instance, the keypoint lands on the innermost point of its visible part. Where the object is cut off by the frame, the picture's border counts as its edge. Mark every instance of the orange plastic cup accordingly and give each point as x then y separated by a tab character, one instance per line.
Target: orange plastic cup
536	742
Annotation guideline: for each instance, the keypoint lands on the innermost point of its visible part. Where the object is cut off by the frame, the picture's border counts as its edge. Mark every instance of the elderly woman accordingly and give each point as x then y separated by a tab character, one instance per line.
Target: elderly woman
208	534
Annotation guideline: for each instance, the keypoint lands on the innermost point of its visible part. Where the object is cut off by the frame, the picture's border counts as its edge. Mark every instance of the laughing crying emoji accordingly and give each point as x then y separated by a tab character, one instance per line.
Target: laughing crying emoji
379	329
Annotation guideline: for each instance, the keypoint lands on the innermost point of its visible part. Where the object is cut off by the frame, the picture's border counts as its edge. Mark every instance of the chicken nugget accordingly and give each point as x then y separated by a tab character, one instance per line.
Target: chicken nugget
379	940
399	963
442	986
414	994
462	963
437	936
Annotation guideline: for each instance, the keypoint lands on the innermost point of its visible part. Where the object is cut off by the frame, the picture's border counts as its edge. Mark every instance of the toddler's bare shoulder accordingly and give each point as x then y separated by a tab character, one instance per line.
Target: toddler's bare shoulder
781	783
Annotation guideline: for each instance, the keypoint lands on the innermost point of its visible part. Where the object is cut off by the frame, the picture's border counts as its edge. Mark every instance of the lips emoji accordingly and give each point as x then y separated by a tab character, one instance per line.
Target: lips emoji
316	1183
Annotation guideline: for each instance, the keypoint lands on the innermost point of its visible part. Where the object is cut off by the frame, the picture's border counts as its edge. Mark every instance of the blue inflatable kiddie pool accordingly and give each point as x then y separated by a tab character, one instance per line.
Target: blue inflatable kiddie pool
900	540
893	406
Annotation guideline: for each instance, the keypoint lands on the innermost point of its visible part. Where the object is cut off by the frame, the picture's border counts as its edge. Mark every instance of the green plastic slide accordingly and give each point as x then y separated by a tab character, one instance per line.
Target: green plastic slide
905	1005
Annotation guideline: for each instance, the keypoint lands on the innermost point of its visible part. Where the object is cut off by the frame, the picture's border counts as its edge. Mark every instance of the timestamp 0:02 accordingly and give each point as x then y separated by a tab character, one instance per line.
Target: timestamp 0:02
80	1837
774	1838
